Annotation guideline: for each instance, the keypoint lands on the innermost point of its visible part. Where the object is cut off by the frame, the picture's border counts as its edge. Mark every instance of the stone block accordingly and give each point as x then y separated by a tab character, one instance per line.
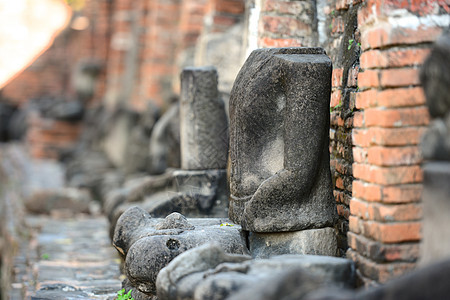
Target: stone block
436	208
313	241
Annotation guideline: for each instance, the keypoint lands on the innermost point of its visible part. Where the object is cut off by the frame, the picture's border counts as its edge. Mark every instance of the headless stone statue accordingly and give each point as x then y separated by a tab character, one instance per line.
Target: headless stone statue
279	171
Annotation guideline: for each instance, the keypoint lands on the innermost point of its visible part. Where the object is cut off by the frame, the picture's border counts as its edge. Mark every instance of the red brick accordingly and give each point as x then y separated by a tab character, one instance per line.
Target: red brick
359	155
336	98
388	78
343	211
337	25
368	79
352	79
393	58
385	35
361	137
395	136
373	211
398	194
279	42
402	193
398	97
388	233
285	25
396	117
394	156
380	253
358	119
387	175
283	7
379	272
366	191
336	78
399	77
230	6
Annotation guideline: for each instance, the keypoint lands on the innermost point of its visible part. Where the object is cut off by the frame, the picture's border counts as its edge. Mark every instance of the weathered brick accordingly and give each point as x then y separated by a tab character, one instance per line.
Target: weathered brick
388	175
361	137
388	78
404	193
336	98
385	213
393	58
230	6
379	272
279	42
395	232
397	97
385	35
394	156
343	211
366	191
396	117
358	119
369	78
399	77
285	25
336	77
359	155
284	7
381	253
395	136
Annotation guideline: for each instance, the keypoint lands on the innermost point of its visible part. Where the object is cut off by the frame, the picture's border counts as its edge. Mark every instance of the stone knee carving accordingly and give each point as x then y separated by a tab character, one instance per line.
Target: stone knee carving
279	134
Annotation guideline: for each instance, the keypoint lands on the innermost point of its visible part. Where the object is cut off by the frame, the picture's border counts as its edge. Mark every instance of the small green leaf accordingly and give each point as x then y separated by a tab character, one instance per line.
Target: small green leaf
350	42
45	256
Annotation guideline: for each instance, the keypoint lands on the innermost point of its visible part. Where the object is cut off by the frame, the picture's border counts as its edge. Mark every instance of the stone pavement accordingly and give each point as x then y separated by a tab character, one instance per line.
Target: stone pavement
66	258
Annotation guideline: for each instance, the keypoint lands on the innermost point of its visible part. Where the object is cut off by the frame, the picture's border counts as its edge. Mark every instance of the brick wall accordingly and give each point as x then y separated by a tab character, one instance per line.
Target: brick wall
377	116
385	226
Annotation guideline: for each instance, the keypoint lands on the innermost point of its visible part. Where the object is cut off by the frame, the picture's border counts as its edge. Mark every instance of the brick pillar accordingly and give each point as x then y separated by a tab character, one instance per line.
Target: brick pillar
385	221
158	64
121	40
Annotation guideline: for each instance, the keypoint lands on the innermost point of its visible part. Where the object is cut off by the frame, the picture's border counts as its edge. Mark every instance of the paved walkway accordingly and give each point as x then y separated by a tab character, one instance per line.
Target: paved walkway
67	258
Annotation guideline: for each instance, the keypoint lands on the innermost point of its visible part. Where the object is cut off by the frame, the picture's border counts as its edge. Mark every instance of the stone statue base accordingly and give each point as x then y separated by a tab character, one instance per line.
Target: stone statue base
313	241
436	206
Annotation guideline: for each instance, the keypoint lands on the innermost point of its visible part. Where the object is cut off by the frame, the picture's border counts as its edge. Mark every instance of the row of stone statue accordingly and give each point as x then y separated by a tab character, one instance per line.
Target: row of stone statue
277	190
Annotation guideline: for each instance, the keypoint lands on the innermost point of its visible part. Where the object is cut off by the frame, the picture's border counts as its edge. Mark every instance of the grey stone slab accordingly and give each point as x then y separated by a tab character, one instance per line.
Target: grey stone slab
207	272
436	212
313	241
280	176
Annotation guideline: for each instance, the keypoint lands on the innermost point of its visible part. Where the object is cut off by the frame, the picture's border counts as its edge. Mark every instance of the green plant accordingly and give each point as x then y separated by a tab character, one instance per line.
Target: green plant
226	224
350	43
121	295
45	256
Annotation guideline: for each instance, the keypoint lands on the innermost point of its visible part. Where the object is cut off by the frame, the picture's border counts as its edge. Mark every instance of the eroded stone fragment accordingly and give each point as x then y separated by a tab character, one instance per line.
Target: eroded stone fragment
149	244
207	272
203	121
279	134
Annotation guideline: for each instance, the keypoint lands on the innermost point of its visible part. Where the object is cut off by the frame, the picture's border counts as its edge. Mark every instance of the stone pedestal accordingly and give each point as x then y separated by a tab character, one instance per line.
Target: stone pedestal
280	176
436	209
313	241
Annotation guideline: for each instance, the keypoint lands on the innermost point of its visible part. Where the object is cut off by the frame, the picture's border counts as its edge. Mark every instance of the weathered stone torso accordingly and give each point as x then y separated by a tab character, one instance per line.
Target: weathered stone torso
279	124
